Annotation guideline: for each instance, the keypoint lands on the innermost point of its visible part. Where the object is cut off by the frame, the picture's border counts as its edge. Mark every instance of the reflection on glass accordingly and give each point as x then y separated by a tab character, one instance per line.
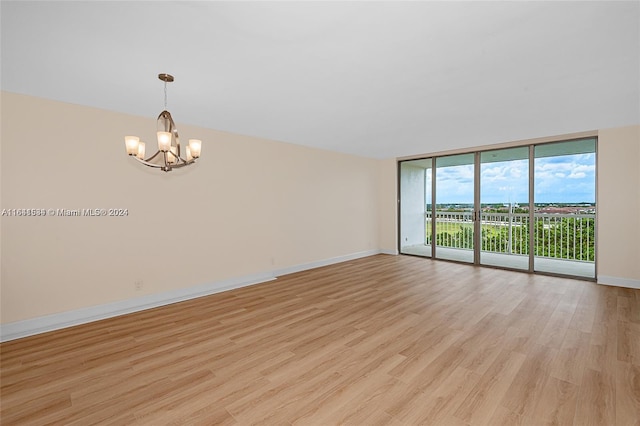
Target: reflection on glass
565	207
415	205
454	207
504	208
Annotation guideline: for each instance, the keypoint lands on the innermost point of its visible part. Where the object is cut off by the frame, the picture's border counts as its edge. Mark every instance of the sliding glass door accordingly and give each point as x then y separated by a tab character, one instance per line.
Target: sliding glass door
415	207
454	213
565	208
504	208
527	208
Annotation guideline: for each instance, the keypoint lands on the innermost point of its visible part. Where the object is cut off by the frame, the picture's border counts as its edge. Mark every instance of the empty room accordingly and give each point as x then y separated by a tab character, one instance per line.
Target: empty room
320	213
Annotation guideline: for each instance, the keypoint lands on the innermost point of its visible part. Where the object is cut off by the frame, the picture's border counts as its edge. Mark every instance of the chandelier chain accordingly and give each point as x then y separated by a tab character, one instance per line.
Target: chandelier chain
165	95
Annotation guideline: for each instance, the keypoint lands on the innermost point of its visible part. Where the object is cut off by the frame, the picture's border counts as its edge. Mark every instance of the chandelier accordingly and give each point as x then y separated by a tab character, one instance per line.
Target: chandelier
168	156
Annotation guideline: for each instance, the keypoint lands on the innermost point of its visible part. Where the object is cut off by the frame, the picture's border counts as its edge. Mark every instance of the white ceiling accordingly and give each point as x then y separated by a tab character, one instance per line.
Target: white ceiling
378	79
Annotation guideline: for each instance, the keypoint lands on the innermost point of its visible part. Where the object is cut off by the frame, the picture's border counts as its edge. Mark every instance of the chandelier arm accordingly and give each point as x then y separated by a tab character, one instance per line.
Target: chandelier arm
167	165
182	160
166	168
166	123
179	165
153	156
146	163
177	138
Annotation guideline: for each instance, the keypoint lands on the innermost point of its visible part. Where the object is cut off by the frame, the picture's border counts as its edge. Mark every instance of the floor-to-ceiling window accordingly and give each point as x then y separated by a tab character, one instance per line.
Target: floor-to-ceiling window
454	199
565	207
529	207
415	207
504	212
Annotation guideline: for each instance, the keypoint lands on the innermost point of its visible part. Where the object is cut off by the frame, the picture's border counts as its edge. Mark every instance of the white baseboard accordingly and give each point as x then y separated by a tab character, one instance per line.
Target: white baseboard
618	282
390	252
324	262
30	327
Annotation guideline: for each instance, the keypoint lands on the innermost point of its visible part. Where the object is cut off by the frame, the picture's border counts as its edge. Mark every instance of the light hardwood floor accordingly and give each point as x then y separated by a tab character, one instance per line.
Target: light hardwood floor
383	340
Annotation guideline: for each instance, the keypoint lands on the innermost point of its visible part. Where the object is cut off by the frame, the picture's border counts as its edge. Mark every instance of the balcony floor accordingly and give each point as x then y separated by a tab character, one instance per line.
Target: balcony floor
541	264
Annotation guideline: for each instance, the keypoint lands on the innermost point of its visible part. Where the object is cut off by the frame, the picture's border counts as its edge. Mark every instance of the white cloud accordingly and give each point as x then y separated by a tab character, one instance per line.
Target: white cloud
565	178
584	168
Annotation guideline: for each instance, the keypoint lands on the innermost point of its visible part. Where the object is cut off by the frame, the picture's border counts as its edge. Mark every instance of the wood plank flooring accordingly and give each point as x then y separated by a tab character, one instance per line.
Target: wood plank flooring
388	340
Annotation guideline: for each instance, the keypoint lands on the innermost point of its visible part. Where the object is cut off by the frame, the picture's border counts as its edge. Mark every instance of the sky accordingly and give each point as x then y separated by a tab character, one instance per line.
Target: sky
560	179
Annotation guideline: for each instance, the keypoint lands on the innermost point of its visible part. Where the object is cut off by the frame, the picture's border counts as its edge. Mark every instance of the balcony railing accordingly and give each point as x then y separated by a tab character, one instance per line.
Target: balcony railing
557	236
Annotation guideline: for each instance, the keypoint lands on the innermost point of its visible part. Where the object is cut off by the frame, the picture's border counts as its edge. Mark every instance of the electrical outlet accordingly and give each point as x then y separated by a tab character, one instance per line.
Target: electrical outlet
138	285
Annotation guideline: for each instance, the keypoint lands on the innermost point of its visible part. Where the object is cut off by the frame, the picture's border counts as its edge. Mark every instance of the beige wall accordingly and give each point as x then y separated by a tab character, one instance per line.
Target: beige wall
619	205
388	205
250	206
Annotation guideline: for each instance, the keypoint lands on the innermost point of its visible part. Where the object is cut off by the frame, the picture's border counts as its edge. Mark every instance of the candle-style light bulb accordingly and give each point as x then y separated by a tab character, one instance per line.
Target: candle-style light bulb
195	145
141	149
171	155
164	141
131	143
